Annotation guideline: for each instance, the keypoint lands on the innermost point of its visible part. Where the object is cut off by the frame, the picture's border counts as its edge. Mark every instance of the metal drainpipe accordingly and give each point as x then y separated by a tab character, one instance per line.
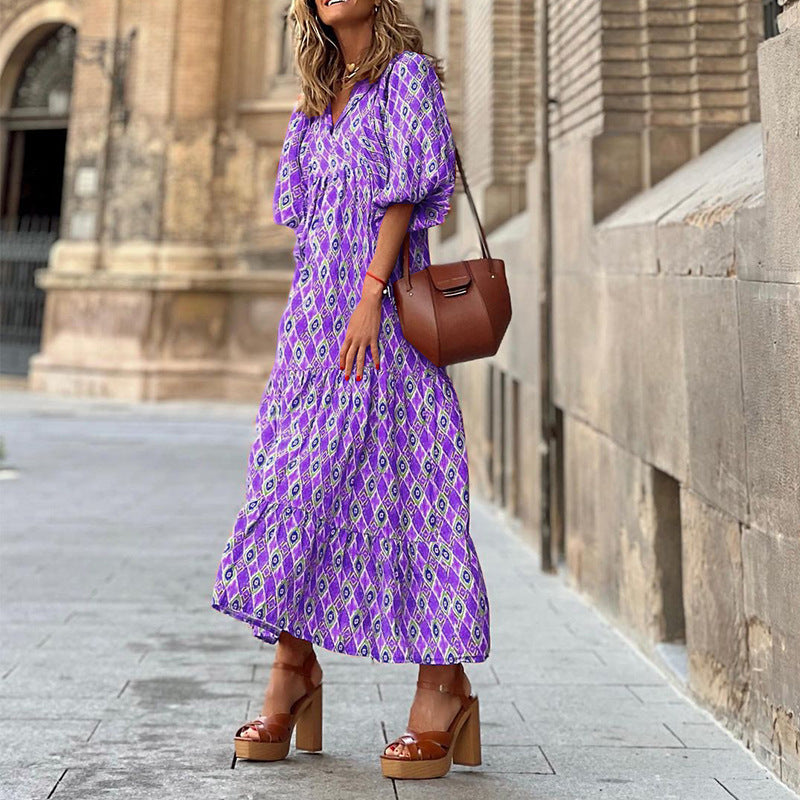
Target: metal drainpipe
110	140
548	432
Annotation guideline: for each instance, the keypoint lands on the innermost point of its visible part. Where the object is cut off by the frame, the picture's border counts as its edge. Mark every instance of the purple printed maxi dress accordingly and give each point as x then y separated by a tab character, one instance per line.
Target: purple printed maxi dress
354	533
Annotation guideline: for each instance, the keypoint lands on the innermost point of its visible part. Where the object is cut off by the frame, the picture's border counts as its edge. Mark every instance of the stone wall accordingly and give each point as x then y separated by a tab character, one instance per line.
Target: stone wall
676	321
678	355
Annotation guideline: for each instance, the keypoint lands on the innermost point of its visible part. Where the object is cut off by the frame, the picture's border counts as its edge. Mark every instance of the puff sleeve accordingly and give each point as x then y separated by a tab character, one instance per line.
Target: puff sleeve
418	142
288	202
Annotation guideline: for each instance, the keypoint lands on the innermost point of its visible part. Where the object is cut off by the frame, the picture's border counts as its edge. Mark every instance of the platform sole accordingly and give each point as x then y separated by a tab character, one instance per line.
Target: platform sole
466	750
307	730
261	751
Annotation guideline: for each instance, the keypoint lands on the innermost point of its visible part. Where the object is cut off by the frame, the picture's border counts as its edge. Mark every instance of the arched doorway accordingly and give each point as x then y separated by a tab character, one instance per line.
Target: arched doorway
34	136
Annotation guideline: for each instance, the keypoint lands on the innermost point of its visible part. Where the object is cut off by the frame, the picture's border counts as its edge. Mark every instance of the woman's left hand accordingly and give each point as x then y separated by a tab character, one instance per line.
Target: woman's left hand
365	321
362	332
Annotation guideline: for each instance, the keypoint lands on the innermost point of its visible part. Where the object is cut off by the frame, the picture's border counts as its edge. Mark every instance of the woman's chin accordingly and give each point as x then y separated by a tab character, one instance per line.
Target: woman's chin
345	11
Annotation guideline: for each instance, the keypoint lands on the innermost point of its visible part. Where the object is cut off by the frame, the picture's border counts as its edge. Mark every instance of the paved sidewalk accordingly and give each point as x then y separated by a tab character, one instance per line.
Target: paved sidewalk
118	680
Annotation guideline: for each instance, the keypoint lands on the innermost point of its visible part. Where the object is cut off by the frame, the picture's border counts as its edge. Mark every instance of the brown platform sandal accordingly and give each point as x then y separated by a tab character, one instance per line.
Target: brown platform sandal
275	731
430	753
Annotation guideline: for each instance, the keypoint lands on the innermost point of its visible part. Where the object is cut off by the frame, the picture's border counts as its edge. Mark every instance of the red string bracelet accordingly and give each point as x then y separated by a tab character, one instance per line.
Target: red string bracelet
381	280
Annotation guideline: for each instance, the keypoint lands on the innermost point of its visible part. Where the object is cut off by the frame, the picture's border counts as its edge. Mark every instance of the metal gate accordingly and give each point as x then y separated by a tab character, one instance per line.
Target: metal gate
24	246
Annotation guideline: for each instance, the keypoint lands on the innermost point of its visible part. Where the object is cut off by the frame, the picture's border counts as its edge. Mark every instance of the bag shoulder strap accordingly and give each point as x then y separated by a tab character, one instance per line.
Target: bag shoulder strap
481	232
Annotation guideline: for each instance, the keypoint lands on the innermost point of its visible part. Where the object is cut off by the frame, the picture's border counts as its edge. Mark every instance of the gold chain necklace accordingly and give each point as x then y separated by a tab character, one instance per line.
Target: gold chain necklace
350	70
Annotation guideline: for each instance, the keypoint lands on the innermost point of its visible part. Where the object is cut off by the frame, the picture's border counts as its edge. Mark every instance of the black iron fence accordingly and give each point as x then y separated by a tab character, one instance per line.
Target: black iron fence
24	246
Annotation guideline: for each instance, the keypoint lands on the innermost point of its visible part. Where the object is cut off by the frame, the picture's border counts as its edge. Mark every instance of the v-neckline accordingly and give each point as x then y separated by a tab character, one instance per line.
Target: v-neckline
333	125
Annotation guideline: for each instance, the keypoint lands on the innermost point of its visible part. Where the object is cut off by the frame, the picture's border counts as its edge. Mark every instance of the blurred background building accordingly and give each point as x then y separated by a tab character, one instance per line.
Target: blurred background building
638	165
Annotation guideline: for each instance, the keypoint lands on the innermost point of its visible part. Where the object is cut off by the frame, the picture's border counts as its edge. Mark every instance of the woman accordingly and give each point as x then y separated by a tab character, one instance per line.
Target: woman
354	535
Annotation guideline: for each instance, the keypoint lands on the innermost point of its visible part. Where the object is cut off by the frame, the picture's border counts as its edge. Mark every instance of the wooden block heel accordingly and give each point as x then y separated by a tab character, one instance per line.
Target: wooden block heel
431	753
309	724
467	746
275	730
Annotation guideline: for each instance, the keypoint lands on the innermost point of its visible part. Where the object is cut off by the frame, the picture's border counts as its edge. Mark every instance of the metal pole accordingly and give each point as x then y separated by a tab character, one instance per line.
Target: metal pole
547	434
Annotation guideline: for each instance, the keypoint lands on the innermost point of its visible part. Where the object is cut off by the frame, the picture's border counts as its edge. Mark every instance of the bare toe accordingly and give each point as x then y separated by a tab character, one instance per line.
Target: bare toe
250	733
397	749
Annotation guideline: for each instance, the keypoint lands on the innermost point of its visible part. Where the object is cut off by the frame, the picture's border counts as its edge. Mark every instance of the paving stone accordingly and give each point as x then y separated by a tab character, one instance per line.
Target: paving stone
597	731
300	778
655	693
143	685
21	736
630	763
561	699
757	789
576	668
520	759
494	786
699	735
42	683
204	672
60	706
29	781
22	637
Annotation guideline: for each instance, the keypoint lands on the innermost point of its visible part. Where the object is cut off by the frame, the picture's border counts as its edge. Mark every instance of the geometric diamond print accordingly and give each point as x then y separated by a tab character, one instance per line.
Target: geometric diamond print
354	529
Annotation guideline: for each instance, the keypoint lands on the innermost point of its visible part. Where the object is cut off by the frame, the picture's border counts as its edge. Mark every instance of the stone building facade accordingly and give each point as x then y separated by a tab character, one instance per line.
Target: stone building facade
169	276
636	164
662	188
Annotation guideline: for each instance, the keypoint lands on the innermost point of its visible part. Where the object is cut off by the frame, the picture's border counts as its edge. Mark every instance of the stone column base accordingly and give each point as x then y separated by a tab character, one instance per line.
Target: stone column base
150	380
156	336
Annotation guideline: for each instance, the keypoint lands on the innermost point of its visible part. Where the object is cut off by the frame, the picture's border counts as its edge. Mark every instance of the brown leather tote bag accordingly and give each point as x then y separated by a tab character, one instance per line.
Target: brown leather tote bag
458	311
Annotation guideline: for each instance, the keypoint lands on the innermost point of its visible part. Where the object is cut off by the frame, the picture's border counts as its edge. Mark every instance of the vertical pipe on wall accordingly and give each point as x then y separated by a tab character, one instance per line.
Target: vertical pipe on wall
108	145
547	435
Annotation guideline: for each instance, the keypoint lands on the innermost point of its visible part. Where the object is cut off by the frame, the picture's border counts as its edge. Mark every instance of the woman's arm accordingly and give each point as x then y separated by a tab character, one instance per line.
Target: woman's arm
364	325
390	237
416	194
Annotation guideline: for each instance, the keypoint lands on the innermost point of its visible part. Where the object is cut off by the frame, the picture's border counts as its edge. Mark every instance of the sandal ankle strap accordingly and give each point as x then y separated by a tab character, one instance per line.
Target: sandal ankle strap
447	688
303	669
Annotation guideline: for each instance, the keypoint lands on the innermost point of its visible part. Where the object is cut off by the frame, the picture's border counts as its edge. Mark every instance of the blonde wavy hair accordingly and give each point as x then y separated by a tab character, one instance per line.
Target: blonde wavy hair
319	60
